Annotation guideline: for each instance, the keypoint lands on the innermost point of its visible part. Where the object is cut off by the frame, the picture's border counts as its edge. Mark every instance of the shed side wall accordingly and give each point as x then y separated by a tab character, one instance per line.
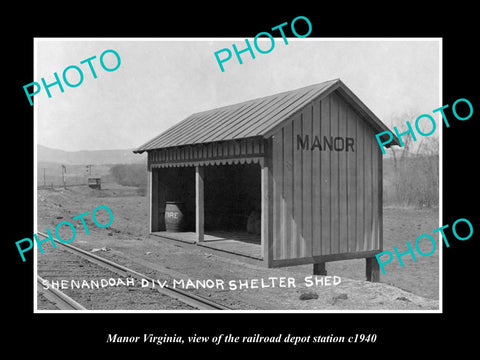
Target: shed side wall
325	202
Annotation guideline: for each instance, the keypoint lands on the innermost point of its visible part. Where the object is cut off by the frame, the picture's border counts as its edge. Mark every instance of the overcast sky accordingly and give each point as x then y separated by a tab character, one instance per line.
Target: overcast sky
162	81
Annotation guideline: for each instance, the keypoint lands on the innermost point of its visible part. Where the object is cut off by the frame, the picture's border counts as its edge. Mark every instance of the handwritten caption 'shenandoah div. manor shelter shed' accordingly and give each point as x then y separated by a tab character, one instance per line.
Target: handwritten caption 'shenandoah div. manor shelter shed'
306	161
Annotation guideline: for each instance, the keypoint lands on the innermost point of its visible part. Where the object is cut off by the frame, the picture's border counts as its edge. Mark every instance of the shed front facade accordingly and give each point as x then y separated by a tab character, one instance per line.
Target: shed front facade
306	161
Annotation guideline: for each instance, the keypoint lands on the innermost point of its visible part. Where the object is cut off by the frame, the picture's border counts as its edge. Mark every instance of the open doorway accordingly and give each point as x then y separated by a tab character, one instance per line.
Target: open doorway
232	196
231	206
177	184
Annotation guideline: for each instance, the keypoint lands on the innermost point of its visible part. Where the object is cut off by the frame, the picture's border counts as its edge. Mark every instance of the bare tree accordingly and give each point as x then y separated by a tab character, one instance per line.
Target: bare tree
414	181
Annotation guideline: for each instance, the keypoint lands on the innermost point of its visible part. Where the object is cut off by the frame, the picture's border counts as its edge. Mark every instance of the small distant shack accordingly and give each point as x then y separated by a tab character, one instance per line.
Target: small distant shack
95	183
306	161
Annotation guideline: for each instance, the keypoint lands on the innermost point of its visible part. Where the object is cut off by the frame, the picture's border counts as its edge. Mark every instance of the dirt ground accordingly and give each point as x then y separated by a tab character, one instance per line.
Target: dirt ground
412	287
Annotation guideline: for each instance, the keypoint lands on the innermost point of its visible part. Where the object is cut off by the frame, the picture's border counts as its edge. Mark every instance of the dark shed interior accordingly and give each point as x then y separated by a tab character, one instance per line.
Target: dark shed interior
232	196
178	184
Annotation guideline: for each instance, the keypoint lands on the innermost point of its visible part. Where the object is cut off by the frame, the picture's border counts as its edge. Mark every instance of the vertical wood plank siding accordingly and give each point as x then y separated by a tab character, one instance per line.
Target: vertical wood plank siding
317	181
325	202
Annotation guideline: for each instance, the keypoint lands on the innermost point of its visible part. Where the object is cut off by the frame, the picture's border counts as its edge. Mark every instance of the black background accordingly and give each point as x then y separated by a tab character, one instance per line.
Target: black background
405	334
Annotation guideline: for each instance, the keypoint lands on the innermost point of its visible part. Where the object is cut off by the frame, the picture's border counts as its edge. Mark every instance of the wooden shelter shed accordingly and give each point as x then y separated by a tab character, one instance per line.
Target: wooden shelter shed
305	161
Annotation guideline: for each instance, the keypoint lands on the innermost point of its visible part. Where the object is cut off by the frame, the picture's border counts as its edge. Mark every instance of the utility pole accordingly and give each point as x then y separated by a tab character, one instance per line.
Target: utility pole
89	167
44	182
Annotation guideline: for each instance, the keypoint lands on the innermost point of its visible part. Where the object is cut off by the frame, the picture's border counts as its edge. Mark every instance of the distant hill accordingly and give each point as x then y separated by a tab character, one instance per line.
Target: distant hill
83	157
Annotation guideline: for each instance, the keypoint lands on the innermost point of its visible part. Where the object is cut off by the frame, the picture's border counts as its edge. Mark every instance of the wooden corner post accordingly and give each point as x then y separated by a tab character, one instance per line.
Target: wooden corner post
149	194
267	205
372	269
154	205
319	269
199	203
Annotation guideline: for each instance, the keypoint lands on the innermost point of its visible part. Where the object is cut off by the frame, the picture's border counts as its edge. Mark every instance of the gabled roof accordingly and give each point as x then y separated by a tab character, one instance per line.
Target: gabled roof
257	117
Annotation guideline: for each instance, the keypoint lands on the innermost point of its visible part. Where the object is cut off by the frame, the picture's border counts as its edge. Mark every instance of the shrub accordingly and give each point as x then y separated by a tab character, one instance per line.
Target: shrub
130	175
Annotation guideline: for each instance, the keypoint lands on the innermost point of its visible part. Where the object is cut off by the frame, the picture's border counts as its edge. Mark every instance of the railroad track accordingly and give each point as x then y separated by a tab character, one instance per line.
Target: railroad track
58	298
192	301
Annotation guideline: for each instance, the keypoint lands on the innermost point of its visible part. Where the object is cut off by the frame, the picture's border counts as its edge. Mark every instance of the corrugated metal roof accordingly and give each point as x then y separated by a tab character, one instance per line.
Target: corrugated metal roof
251	118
